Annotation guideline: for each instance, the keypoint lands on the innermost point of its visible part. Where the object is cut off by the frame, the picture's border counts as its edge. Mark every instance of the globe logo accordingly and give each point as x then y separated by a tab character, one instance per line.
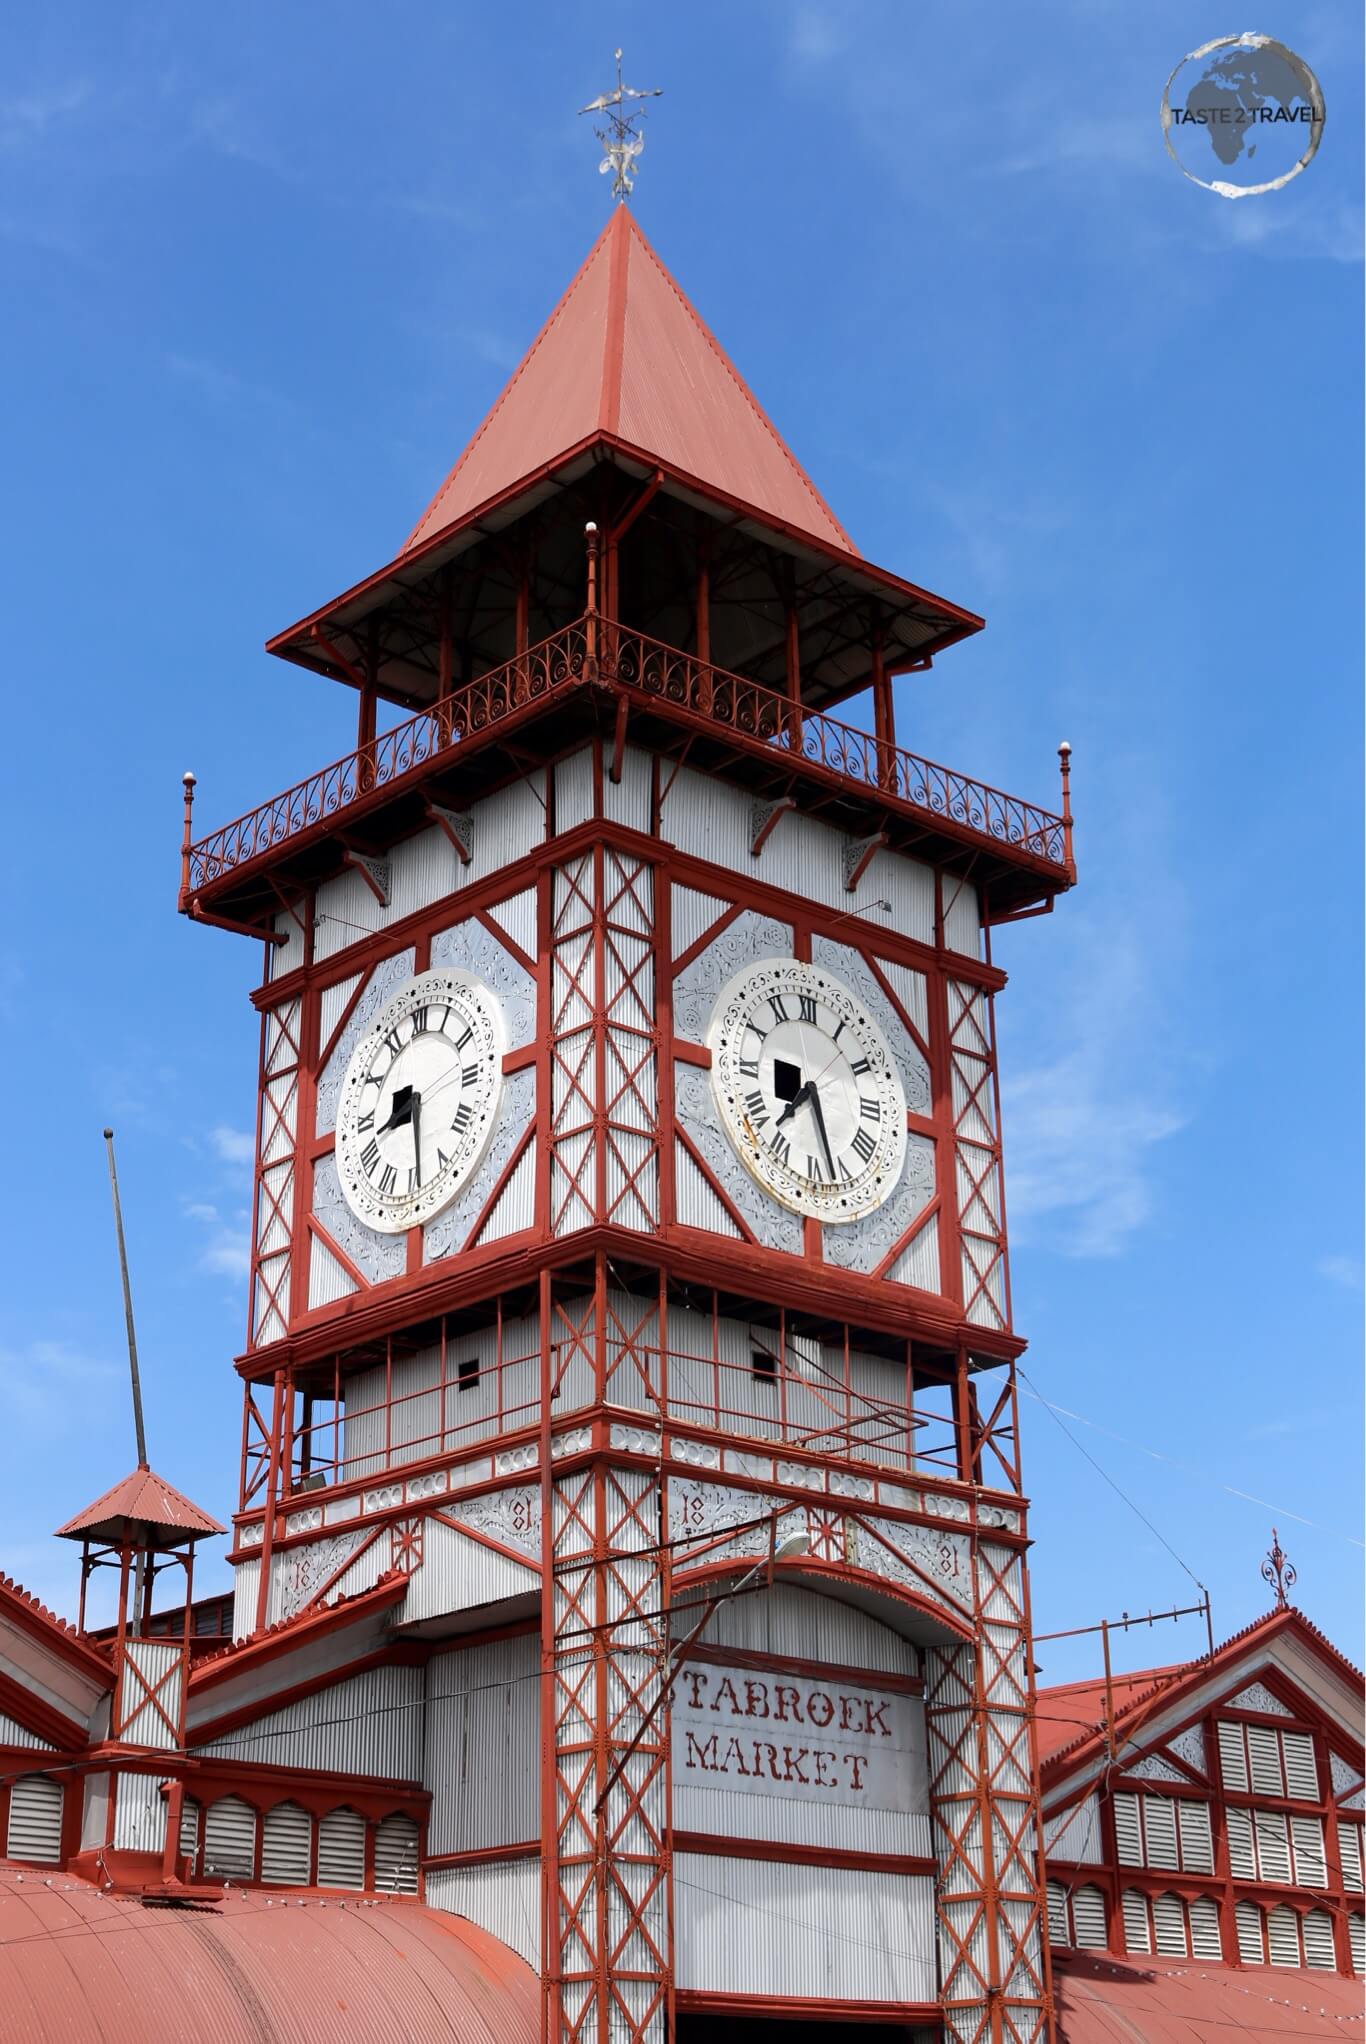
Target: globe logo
1242	115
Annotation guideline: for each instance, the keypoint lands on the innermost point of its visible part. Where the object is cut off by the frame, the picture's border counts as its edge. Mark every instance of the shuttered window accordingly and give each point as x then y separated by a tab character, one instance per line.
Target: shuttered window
1349	1852
1249	1921
1311	1864
396	1856
1169	1926
1135	1909
1283	1936
1356	1926
1263	1849
1128	1831
341	1850
189	1832
1241	1857
1205	1940
1057	1914
1268	1762
287	1846
1159	1833
1197	1845
1088	1919
230	1840
35	1820
1317	1928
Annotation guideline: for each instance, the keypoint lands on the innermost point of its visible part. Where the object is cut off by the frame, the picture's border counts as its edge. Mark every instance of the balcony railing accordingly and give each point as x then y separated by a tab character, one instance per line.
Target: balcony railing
592	650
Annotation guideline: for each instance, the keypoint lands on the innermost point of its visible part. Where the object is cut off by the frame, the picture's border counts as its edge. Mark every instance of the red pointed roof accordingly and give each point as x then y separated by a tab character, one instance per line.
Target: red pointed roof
143	1499
624	357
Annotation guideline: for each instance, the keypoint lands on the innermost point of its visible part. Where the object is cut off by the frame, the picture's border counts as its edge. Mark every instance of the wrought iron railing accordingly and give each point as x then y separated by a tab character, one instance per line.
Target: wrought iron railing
592	649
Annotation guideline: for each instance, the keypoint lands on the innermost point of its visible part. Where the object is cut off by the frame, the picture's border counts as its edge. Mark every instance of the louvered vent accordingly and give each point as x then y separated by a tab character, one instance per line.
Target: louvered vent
396	1856
189	1832
1057	1914
1159	1831
1205	1940
1349	1852
1169	1924
1301	1773
1249	1920
341	1850
1318	1941
1311	1865
1136	1938
229	1840
1264	1755
1240	1855
1283	1936
1197	1846
1273	1845
1088	1919
1233	1758
286	1846
1356	1926
1128	1836
35	1820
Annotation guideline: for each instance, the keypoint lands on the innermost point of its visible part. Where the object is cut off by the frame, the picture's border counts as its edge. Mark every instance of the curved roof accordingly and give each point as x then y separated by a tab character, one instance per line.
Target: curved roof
1101	1998
249	1969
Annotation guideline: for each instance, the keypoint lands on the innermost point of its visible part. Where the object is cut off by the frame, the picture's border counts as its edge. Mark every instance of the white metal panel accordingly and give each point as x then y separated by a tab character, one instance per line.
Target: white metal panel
515	1207
460	1574
1197	1844
245	1586
962	923
574	790
1356	1929
1135	1910
328	1281
1128	1834
628	801
139	1813
483	1746
1075	1837
12	1733
1233	1758
1264	1756
1206	1942
287	1846
1088	1919
94	1810
918	1263
1311	1866
423	869
229	1840
1242	1860
502	1896
286	957
799	1623
909	886
697	1204
35	1820
506	826
517	916
156	1662
1169	1926
1057	1914
1301	1773
761	1927
691	914
1248	1918
1273	1845
1317	1926
1283	1936
1349	1854
332	1005
341	1850
189	1832
369	1724
396	1856
344	910
1159	1831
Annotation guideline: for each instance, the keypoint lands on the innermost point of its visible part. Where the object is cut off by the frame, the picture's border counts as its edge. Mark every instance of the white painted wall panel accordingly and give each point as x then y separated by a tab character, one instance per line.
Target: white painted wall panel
759	1927
153	1659
507	825
1076	1836
245	1589
483	1746
423	869
502	1896
461	1574
370	1724
628	801
806	1626
139	1813
962	924
574	790
12	1733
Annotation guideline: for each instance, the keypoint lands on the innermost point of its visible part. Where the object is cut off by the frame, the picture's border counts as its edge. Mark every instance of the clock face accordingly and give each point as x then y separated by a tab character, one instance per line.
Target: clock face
807	1090
419	1100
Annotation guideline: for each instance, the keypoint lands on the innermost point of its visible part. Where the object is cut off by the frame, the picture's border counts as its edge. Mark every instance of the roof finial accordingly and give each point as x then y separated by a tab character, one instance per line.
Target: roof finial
1279	1571
621	145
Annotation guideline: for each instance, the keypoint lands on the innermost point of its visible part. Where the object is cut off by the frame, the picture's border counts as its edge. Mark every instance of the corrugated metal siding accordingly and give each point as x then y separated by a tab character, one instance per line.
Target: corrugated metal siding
94	1810
516	1204
787	1621
759	1927
289	924
12	1733
503	1897
189	1832
574	790
517	916
369	1724
628	801
1076	1837
697	1205
246	1583
327	1281
482	1761
962	922
423	869
918	1263
459	1574
139	1813
154	1660
35	1820
690	913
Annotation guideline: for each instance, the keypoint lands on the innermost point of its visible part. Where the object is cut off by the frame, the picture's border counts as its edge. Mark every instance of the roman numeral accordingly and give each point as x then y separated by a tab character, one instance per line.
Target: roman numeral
758	1108
388	1178
782	1149
419	1020
775	1001
860	1066
461	1041
845	1173
863	1144
365	1124
463	1117
813	1169
749	1068
369	1156
469	1075
869	1110
412	1173
807	1005
838	1032
442	1160
393	1042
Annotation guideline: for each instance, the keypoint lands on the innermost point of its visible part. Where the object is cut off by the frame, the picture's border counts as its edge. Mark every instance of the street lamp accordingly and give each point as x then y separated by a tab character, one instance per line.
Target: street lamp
789	1548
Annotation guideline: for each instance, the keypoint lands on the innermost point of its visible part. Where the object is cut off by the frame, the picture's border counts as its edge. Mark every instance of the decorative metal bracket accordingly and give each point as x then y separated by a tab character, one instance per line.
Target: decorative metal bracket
858	856
374	872
458	828
763	819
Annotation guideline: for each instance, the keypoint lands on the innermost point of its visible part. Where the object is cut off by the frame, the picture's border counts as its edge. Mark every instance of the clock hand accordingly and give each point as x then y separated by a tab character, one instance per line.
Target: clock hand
799	1099
820	1124
416	1118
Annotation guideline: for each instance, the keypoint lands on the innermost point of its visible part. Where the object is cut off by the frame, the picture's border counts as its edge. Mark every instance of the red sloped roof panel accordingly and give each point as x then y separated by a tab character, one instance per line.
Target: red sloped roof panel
145	1499
250	1969
1105	1999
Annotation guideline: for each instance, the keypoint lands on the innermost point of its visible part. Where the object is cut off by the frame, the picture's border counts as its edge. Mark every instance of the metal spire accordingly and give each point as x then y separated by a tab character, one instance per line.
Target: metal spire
127	1304
1279	1571
621	145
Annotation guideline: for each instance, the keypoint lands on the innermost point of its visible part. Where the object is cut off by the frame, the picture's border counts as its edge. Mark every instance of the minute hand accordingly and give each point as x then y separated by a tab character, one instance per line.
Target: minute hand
815	1104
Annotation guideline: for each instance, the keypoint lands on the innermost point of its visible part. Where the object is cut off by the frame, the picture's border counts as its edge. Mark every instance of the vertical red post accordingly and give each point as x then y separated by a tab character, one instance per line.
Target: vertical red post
188	783
1065	762
590	532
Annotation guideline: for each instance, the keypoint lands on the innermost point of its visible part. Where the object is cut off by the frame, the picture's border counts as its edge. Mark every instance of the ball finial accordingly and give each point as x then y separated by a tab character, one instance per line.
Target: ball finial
188	778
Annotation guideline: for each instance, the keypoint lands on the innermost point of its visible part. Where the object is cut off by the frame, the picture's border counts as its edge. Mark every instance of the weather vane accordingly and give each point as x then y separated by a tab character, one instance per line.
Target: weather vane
1279	1571
621	145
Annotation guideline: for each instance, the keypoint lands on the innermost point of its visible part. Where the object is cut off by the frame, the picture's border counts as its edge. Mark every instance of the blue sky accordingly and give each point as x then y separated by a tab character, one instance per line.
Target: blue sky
265	271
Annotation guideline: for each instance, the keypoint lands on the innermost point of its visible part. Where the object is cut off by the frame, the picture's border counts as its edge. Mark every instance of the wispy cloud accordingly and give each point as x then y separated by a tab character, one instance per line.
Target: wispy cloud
50	1383
27	117
1341	1270
1334	233
233	1145
227	1243
816	34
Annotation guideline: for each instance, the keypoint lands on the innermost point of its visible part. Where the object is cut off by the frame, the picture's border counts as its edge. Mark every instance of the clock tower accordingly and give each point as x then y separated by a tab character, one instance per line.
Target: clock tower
629	1237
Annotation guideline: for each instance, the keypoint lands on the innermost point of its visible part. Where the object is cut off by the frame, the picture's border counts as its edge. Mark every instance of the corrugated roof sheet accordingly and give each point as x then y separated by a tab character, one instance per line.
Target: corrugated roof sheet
142	1499
625	356
1101	1998
249	1969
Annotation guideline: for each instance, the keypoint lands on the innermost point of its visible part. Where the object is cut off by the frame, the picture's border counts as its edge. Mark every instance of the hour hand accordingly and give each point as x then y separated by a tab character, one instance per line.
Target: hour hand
799	1099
